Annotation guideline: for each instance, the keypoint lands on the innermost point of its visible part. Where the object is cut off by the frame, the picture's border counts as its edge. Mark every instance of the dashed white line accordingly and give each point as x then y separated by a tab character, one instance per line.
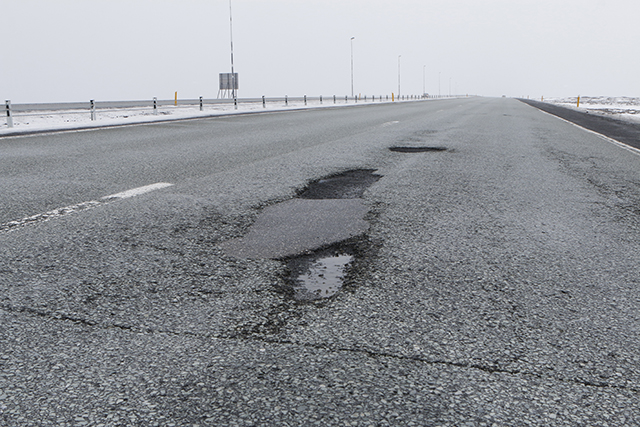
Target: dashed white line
390	123
57	213
137	191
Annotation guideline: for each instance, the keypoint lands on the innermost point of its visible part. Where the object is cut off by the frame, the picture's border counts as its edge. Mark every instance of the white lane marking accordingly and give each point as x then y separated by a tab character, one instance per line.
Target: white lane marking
622	145
57	213
390	123
137	191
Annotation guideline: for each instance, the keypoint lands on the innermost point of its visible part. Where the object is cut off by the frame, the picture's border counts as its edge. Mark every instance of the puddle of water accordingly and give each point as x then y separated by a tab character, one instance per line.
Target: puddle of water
322	277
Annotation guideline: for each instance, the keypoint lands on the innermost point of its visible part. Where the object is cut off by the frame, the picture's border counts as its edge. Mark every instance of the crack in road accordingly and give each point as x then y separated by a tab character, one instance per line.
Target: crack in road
255	337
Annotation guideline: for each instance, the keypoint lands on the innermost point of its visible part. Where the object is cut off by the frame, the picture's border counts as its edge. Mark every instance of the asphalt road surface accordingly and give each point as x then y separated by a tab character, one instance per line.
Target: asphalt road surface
497	282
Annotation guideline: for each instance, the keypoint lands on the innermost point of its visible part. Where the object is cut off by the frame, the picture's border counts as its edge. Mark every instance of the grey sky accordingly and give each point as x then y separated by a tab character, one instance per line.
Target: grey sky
75	50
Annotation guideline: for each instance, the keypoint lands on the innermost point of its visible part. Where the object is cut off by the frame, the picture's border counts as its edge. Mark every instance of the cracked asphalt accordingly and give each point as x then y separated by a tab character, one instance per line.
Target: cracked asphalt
497	283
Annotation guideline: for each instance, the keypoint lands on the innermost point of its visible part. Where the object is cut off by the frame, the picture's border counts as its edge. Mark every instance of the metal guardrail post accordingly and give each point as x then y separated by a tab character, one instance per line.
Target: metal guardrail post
92	103
305	100
320	99
201	107
334	99
155	105
286	100
7	104
346	98
264	102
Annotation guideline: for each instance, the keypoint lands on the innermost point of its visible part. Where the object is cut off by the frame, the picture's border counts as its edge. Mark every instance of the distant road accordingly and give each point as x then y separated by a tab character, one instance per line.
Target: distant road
498	281
623	131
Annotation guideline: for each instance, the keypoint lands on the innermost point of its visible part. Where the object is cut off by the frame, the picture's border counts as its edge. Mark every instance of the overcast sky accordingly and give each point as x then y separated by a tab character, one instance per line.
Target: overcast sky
75	50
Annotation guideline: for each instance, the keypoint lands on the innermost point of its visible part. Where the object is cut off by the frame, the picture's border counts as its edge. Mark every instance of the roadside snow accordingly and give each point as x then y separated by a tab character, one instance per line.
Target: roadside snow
626	108
54	120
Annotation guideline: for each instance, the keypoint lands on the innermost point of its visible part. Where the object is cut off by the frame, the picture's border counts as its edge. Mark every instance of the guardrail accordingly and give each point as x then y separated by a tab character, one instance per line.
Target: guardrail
93	108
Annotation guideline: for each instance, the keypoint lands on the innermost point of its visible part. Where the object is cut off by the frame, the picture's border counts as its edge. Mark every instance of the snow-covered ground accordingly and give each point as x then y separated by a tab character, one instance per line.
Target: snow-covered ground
622	107
42	120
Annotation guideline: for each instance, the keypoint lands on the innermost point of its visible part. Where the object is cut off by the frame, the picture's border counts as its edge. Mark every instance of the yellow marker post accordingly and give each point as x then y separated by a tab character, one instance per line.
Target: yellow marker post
578	101
542	99
392	97
176	100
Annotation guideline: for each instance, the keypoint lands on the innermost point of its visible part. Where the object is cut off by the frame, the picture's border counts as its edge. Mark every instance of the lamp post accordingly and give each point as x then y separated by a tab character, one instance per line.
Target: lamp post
399	56
233	76
352	66
424	73
439	93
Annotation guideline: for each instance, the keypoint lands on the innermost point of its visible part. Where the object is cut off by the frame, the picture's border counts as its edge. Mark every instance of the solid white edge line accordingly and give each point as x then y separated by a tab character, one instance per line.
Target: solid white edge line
56	213
622	145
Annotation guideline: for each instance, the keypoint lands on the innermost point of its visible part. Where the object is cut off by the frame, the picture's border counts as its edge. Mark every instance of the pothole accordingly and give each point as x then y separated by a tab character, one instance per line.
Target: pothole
346	185
416	149
319	275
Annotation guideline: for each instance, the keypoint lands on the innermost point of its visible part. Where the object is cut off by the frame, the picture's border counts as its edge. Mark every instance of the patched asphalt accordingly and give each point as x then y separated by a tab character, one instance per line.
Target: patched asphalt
297	226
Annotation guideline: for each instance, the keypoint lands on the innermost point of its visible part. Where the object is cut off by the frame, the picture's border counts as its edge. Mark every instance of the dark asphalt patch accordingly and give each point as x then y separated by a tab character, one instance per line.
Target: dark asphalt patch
416	149
298	226
625	132
346	185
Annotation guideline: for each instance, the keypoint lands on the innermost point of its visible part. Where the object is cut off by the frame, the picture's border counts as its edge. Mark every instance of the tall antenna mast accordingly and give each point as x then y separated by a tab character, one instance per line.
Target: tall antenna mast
233	76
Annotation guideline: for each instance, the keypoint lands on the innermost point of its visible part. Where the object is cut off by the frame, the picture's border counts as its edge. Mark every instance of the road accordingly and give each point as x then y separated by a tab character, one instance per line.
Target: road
497	282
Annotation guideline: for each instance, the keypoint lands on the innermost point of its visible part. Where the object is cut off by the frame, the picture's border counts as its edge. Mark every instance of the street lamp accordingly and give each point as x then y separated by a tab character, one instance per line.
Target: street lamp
352	66
424	87
399	75
439	93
